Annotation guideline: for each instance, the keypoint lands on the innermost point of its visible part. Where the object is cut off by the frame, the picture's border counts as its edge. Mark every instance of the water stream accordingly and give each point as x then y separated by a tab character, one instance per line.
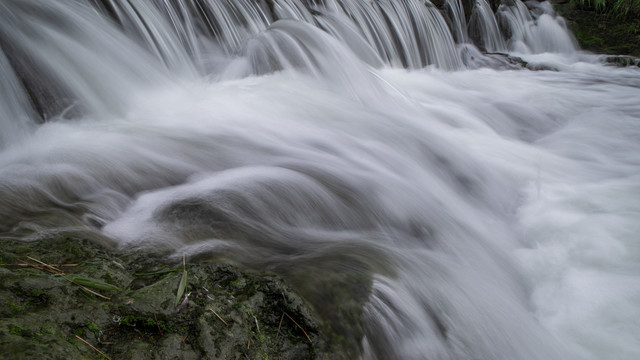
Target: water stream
495	208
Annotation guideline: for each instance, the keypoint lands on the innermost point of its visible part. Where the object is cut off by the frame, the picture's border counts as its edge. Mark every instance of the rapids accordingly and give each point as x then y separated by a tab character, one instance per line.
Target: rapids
496	209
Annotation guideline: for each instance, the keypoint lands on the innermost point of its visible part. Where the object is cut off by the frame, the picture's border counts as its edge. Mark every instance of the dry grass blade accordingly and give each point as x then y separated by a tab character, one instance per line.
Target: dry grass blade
92	292
87	290
35	266
45	265
218	316
93	347
305	333
280	325
24	263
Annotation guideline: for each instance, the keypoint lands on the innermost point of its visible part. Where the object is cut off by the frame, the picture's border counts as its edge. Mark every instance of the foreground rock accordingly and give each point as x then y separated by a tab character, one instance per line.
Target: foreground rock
224	313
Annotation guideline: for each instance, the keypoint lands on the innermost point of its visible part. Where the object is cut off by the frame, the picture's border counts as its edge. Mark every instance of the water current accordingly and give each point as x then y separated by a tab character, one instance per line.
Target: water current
496	209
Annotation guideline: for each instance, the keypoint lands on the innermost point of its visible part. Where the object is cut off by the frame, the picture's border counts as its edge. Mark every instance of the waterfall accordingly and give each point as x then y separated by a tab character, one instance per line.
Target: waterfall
534	32
65	51
454	13
16	117
484	28
489	214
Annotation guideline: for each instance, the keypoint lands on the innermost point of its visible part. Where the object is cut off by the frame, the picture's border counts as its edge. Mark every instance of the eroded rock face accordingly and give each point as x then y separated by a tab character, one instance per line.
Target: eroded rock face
225	313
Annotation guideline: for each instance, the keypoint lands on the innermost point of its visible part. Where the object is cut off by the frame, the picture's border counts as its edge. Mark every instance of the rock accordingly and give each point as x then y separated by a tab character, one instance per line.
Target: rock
229	313
622	61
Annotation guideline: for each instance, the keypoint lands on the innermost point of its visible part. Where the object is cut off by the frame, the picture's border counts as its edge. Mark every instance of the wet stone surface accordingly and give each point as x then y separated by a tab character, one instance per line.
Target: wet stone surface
225	313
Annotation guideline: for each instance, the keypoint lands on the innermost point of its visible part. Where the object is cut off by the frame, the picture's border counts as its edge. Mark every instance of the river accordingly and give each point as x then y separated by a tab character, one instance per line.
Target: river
495	209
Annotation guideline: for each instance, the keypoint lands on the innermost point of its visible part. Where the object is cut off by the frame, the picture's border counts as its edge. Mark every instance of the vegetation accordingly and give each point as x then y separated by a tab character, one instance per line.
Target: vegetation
618	8
604	26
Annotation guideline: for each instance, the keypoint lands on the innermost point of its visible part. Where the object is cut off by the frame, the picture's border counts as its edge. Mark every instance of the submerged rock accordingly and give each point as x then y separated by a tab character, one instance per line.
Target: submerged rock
225	313
622	61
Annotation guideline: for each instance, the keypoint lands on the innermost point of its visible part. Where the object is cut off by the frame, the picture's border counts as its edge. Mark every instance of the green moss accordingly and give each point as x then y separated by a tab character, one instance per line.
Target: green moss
93	327
15	330
36	292
21	250
11	308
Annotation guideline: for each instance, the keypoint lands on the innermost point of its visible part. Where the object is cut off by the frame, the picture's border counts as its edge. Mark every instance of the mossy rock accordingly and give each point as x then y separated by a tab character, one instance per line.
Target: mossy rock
226	313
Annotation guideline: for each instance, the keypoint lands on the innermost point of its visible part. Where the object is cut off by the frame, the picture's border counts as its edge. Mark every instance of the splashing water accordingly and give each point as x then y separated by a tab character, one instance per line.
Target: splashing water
493	212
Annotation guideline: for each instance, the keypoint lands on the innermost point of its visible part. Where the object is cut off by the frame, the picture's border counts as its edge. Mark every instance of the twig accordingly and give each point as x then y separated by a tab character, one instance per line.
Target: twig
93	347
158	325
218	316
32	265
46	265
23	265
305	333
90	291
279	325
185	338
249	344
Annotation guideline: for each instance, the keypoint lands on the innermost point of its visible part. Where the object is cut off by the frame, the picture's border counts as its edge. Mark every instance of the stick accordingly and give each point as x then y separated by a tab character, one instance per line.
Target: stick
158	325
279	325
55	265
305	333
24	263
100	352
46	265
221	319
91	292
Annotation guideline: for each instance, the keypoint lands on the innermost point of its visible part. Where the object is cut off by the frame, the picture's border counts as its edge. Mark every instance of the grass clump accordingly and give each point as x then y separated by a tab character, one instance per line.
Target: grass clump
623	9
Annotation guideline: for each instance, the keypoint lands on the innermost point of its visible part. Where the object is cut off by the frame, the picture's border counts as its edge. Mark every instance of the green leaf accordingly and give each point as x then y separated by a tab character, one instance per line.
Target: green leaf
181	287
93	283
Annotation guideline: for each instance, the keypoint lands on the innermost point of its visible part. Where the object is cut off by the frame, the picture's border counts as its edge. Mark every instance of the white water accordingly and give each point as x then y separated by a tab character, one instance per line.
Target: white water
497	210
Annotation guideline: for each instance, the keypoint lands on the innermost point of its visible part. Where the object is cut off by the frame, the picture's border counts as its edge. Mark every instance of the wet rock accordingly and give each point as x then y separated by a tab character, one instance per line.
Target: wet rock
622	61
227	313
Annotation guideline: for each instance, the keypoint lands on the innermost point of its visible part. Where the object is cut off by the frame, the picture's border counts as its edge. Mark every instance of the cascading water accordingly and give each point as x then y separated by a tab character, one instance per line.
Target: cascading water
484	28
534	32
454	13
492	212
